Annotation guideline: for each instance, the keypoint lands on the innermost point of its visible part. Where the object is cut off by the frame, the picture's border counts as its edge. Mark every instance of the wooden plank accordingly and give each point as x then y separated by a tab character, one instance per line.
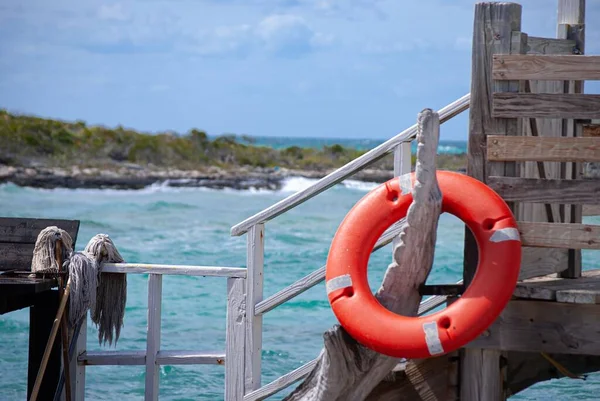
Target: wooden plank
190	358
12	286
485	381
577	192
545	67
26	230
537	45
78	385
548	288
545	105
541	326
153	336
537	262
492	34
591	130
446	113
235	339
560	235
115	358
255	255
591	210
314	278
281	383
16	256
182	270
560	149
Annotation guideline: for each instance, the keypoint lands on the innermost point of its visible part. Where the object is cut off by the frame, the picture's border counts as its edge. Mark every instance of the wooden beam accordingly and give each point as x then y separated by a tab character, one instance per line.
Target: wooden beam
542	261
585	289
537	45
575	192
545	105
591	210
558	149
545	67
541	326
560	235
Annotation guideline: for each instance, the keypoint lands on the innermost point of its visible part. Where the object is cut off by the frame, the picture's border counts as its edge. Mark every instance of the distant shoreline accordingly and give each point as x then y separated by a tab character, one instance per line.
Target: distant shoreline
137	177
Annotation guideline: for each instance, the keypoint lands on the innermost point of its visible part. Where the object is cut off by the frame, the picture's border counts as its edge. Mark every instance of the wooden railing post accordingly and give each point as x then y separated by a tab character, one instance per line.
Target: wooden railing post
571	25
481	377
153	335
402	165
235	339
254	294
78	370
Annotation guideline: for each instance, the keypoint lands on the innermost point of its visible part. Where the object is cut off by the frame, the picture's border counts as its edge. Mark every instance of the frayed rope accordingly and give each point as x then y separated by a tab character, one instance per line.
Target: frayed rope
44	251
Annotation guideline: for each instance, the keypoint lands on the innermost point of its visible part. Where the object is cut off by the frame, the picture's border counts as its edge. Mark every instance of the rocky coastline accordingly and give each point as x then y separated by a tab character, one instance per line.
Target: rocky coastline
133	176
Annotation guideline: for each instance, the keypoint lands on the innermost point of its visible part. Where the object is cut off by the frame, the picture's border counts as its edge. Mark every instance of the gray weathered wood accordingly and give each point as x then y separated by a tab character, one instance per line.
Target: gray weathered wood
589	210
546	67
78	385
585	289
153	336
26	230
537	262
536	45
235	338
560	235
492	34
545	105
484	381
254	294
541	326
561	149
101	358
282	382
106	358
190	358
578	192
312	279
346	370
446	113
183	270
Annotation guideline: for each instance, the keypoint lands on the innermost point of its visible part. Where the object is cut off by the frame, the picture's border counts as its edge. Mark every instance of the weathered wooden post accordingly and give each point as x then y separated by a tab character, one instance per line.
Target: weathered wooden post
346	370
481	374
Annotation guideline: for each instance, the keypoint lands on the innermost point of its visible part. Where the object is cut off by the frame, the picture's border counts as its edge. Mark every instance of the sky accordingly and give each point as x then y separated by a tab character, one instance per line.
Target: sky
302	68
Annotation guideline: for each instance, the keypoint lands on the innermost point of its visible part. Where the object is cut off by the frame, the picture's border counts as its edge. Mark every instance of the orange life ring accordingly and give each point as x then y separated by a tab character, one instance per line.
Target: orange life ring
367	321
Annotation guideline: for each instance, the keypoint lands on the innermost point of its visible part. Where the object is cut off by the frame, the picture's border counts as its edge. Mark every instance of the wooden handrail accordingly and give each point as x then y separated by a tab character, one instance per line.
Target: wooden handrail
446	113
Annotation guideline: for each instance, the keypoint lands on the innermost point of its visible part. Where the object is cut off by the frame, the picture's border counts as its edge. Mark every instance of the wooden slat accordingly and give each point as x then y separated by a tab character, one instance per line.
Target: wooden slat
182	270
562	149
153	336
545	105
537	262
585	289
560	235
235	339
255	256
536	45
542	326
190	358
112	358
545	67
16	256
105	358
591	210
26	230
575	192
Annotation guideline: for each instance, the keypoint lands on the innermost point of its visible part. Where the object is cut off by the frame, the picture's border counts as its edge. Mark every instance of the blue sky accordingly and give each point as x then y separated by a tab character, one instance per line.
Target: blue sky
323	68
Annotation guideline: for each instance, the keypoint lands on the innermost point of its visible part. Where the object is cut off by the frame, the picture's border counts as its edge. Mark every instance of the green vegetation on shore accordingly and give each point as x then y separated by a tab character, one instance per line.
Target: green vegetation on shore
29	140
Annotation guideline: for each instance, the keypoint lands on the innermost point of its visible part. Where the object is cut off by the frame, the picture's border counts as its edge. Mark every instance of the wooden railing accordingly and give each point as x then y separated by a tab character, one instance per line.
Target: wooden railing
153	356
254	226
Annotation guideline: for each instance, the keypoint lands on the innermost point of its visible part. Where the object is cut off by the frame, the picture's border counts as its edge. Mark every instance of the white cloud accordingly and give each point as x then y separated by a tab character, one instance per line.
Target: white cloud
288	33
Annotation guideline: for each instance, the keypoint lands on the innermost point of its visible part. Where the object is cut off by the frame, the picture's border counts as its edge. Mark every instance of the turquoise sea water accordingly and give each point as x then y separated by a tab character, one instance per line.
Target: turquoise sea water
191	226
